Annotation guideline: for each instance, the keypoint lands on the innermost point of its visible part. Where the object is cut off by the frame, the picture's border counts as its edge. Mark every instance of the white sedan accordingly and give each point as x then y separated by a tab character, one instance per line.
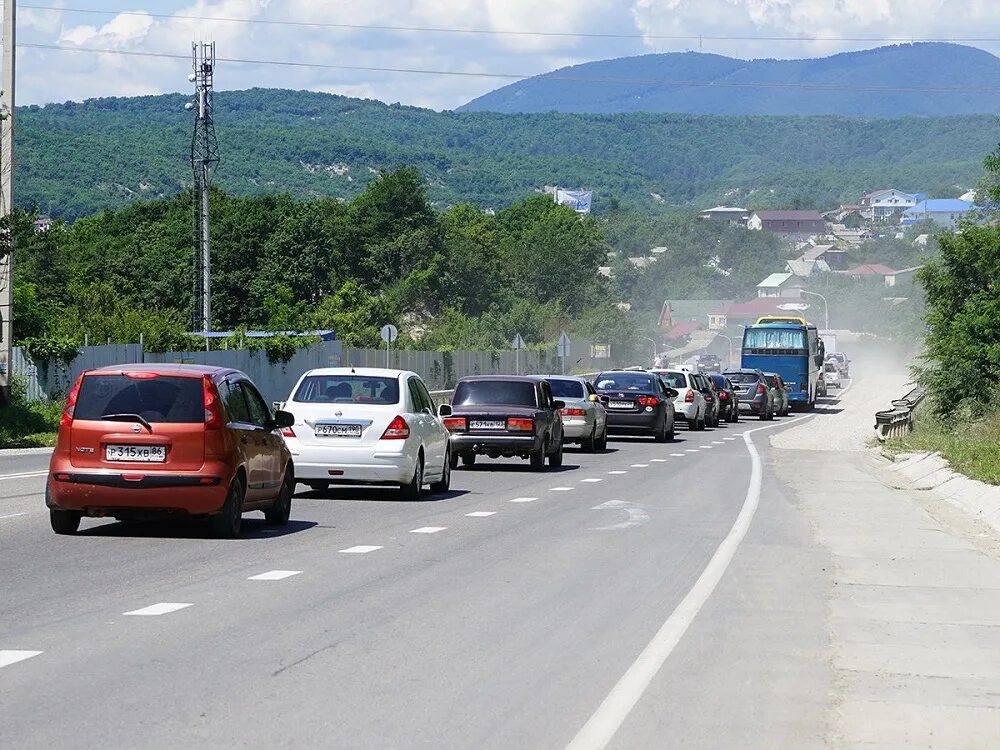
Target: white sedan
367	426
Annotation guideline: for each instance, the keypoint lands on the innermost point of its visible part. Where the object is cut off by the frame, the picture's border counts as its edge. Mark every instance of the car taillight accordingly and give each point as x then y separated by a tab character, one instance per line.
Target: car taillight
521	424
689	397
568	412
761	389
141	375
723	396
214	418
398	429
456	424
648	400
74	394
287	432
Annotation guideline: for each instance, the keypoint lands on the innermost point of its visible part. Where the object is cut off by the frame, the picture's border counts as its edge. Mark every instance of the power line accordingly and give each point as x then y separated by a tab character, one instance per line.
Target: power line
501	32
552	76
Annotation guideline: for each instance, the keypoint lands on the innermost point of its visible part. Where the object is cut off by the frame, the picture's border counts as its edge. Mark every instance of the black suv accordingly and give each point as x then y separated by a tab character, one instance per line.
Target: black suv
637	403
504	415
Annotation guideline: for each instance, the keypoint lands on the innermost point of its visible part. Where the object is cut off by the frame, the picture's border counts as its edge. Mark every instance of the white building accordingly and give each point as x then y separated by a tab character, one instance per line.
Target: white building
780	285
886	206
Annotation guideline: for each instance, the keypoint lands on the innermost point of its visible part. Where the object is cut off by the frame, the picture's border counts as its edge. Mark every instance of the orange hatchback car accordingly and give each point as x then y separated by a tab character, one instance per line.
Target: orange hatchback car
137	441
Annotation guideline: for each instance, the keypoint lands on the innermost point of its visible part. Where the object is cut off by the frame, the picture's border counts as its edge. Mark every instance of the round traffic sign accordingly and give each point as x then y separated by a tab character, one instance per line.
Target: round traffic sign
389	333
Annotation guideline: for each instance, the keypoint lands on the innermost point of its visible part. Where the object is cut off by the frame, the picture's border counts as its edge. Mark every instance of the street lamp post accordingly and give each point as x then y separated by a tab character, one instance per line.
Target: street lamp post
826	308
655	347
727	338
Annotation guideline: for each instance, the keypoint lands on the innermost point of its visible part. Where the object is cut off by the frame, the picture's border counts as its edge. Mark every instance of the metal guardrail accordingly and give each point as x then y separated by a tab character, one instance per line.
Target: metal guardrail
898	420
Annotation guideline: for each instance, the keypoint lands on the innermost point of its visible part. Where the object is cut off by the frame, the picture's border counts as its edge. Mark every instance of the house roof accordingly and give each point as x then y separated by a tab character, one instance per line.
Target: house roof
683	330
800	267
760	306
871	269
724	209
940	205
815	253
789	215
775	279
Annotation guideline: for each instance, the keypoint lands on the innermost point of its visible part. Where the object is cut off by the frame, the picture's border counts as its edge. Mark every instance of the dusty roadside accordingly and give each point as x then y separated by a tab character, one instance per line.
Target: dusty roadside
914	613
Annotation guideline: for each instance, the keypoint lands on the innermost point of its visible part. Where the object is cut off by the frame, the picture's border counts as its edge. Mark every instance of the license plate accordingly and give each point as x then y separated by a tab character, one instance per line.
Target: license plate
621	404
338	430
150	454
744	407
483	424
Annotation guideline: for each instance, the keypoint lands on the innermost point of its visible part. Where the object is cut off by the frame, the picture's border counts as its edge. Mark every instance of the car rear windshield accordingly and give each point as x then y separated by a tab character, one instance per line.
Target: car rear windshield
624	381
567	388
742	377
495	393
347	389
155	398
719	381
674	379
831	367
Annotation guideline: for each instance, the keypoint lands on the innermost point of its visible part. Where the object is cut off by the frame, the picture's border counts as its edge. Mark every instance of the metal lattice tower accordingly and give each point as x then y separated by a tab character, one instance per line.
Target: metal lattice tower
204	159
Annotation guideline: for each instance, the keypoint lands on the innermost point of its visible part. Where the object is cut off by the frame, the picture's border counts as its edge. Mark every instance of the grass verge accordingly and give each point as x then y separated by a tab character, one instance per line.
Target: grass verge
28	424
971	448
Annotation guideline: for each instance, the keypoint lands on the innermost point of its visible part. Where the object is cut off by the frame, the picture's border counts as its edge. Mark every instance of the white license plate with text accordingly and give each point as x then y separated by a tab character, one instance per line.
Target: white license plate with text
486	424
151	454
621	404
338	430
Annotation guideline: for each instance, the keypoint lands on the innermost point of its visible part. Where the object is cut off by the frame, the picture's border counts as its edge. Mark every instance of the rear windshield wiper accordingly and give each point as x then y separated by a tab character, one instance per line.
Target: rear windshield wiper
128	418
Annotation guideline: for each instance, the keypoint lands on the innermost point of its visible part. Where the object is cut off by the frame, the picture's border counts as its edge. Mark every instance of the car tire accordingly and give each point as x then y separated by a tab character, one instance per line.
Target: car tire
692	424
442	486
537	459
763	416
556	459
660	435
601	444
701	425
65	522
279	513
410	492
468	459
587	443
226	524
670	433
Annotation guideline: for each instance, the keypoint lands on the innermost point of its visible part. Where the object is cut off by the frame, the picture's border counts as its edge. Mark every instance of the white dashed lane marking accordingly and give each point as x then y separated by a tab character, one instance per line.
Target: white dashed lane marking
274	575
560	489
428	530
640	466
677	455
13	657
706	447
524	499
729	439
360	549
617	473
659	460
163	608
717	442
591	480
691	450
481	514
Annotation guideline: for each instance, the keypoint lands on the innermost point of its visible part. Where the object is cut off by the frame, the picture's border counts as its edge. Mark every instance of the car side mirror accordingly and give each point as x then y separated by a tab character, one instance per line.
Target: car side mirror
558	404
671	393
594	398
283	419
445	410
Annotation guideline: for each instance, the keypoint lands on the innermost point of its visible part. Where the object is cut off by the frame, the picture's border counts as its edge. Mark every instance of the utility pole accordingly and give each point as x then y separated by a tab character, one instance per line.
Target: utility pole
7	201
204	159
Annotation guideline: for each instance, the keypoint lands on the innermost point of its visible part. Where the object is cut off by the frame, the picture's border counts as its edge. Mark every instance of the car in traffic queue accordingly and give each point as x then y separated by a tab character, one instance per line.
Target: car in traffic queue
821	389
690	402
728	400
843	363
367	426
754	392
505	416
712	404
140	440
585	420
831	374
782	404
709	362
639	403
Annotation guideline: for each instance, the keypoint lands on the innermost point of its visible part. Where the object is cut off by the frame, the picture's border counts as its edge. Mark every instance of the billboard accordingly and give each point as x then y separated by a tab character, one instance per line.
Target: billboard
578	200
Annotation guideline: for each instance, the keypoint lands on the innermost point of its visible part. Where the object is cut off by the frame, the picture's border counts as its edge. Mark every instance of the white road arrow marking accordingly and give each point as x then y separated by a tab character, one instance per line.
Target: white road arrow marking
636	515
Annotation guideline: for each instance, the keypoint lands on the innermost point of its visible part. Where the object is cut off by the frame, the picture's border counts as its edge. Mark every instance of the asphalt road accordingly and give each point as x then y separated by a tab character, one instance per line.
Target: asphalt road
635	598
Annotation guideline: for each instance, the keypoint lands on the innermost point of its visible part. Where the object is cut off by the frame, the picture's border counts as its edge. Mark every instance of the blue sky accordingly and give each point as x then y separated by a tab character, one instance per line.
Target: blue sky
51	75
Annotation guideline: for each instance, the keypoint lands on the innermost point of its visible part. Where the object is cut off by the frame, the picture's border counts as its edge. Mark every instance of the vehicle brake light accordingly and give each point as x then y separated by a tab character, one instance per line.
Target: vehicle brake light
689	397
761	389
141	375
521	424
723	396
572	412
214	418
398	429
74	394
287	432
456	424
648	400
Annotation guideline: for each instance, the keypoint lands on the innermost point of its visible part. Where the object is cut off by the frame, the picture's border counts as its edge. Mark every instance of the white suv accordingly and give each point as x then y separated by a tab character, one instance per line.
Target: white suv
690	402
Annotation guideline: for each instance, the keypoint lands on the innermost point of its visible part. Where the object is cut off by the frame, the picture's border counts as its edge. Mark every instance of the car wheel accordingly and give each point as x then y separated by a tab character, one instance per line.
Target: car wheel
279	513
445	484
556	459
660	436
468	459
65	521
537	459
692	424
670	433
701	424
412	489
601	443
587	444
227	522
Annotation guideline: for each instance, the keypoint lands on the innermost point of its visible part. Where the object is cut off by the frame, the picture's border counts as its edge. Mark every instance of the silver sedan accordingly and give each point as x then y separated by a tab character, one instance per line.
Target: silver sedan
584	419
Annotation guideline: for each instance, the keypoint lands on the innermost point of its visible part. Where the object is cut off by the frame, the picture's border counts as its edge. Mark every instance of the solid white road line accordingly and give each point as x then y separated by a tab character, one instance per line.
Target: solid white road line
13	515
524	499
360	549
428	530
601	728
591	480
25	475
481	514
13	657
274	575
163	608
560	489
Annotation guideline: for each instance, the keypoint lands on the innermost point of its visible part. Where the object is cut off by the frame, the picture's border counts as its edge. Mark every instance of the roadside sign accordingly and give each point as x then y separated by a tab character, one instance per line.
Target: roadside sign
518	343
564	346
389	333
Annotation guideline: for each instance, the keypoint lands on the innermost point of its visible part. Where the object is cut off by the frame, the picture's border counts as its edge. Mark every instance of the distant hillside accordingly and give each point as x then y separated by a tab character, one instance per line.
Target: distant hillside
74	159
723	86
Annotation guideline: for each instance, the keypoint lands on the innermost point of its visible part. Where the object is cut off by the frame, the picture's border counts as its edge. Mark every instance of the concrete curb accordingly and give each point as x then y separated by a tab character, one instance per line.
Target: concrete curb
15	452
930	472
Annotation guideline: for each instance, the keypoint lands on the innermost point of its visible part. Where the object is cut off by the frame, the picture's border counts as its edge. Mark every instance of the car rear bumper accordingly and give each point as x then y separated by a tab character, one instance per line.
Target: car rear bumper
757	406
101	493
630	423
352	465
575	429
685	410
504	445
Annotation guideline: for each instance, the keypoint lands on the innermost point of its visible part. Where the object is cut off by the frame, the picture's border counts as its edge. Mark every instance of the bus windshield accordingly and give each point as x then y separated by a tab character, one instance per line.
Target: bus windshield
775	338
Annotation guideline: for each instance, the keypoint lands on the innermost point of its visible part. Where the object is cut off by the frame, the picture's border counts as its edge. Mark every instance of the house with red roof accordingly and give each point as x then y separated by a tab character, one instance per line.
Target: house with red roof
745	313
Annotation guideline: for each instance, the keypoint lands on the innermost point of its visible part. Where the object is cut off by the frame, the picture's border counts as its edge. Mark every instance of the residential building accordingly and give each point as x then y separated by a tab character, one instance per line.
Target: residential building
870	269
805	268
726	213
780	285
902	277
834	257
886	206
746	313
675	312
945	212
787	222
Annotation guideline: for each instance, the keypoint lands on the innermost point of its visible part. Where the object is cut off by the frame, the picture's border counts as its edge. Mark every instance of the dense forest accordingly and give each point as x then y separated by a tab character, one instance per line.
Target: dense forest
76	159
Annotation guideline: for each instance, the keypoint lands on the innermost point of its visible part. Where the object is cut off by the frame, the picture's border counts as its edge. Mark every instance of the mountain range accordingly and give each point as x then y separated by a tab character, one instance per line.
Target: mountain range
921	80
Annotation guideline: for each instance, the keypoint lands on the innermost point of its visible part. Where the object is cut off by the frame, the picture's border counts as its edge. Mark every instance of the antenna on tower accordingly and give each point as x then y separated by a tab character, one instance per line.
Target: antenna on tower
204	159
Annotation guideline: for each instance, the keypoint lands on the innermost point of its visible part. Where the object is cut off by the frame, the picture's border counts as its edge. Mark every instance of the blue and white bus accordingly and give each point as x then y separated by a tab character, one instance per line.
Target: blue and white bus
793	350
